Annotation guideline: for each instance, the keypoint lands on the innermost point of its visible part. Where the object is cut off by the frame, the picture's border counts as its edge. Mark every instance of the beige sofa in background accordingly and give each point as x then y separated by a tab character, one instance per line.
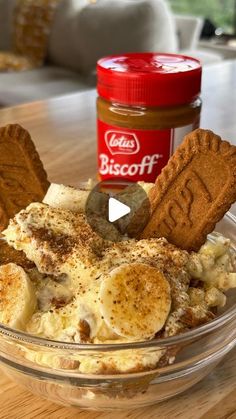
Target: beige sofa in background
83	31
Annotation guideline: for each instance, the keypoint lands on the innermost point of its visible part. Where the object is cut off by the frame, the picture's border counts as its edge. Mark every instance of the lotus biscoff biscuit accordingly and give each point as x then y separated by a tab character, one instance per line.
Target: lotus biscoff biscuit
193	191
22	176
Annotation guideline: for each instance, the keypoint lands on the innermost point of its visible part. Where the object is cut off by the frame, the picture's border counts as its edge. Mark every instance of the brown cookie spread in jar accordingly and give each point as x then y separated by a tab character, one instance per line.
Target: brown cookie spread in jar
147	103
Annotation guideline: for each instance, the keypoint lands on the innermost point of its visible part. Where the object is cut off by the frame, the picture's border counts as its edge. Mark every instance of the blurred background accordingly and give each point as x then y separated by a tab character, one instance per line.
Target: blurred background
221	13
50	48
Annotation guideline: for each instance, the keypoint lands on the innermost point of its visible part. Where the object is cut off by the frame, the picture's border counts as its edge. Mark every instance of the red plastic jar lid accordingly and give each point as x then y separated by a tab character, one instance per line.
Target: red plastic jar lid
149	79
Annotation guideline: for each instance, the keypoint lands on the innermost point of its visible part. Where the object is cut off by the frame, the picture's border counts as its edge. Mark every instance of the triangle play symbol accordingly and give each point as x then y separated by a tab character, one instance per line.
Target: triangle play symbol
116	210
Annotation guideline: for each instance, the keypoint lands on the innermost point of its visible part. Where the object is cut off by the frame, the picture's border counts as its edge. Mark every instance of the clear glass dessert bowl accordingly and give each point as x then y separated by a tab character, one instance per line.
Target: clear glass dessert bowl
50	368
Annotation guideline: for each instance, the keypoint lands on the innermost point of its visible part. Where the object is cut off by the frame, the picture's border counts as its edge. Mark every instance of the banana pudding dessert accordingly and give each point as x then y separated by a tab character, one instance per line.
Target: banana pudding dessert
85	289
72	285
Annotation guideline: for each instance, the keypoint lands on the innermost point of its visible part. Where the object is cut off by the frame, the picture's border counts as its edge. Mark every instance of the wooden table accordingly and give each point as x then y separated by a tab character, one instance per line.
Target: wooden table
64	132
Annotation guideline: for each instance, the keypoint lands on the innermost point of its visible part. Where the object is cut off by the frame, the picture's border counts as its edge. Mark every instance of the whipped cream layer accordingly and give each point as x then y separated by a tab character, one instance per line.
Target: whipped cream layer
73	263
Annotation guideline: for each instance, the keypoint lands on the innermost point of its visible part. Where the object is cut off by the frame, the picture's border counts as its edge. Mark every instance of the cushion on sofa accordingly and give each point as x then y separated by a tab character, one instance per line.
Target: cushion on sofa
6	21
83	32
26	32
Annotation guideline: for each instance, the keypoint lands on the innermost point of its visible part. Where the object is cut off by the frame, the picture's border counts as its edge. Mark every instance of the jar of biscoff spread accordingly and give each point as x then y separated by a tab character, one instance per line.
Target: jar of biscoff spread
147	103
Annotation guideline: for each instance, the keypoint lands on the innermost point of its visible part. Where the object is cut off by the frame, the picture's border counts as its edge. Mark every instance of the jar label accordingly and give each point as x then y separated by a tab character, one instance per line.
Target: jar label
136	154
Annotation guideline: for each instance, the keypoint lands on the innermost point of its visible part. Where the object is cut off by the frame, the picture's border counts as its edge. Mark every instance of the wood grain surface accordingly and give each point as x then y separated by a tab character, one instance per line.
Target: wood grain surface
64	131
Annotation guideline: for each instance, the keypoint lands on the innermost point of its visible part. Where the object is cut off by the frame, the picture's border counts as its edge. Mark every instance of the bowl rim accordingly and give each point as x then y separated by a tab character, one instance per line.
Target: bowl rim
194	333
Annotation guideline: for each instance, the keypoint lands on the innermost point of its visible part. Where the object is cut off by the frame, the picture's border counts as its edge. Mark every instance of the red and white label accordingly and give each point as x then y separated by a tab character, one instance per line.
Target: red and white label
135	154
122	142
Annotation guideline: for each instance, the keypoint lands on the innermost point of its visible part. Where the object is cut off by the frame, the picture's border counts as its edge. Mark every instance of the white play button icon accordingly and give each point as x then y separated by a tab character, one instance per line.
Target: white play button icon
116	210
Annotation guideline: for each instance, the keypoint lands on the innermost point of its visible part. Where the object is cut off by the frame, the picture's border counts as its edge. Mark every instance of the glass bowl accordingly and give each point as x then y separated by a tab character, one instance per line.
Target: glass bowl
50	369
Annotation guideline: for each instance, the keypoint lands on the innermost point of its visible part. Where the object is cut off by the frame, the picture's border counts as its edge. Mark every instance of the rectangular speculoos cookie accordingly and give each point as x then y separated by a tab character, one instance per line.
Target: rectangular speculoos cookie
22	176
193	191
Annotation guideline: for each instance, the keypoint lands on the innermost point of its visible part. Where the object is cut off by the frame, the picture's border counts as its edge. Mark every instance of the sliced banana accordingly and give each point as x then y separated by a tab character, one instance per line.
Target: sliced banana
147	186
17	296
66	197
135	300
